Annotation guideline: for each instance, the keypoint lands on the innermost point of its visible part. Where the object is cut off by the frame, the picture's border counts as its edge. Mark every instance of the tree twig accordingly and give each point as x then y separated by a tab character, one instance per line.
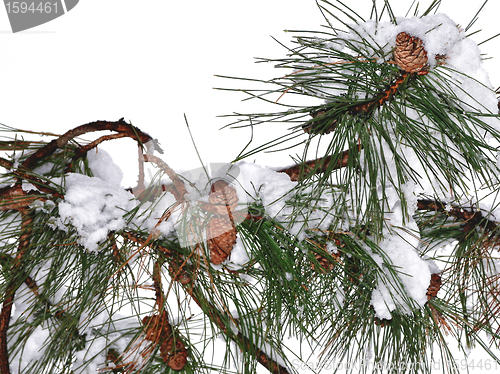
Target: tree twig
300	171
119	126
472	218
83	150
24	242
179	189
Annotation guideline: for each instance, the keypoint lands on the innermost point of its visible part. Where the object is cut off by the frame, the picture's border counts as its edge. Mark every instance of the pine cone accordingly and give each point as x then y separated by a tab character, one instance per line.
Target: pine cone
434	286
178	360
156	327
324	263
176	357
410	54
223	198
222	237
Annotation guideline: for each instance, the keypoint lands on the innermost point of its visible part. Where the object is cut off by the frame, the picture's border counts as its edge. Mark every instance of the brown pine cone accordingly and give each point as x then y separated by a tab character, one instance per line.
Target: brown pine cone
154	327
178	360
434	286
176	357
167	346
325	265
157	327
222	238
410	54
223	198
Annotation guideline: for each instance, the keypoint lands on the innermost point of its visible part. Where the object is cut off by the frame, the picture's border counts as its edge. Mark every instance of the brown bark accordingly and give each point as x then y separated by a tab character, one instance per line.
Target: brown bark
5	314
119	126
300	171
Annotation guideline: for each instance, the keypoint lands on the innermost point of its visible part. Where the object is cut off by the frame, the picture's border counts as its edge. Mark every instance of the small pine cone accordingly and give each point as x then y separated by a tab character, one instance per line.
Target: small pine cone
167	347
157	327
176	357
434	286
325	265
223	198
410	54
222	238
153	330
184	278
178	360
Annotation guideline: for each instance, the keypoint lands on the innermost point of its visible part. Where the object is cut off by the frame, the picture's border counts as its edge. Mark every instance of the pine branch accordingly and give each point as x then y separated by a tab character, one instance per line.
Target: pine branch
82	151
221	320
472	218
60	315
4	325
119	126
141	187
10	192
15	198
302	171
24	242
179	189
326	119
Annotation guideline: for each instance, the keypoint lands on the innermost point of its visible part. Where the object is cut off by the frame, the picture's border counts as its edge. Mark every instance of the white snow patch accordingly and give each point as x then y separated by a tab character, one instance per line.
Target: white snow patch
103	166
94	207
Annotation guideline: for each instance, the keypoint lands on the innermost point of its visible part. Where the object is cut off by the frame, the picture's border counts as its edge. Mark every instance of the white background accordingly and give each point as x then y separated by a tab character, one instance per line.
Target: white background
152	61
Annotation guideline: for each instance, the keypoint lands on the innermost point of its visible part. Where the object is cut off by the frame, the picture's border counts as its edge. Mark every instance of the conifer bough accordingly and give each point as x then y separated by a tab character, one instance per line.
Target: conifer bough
374	251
